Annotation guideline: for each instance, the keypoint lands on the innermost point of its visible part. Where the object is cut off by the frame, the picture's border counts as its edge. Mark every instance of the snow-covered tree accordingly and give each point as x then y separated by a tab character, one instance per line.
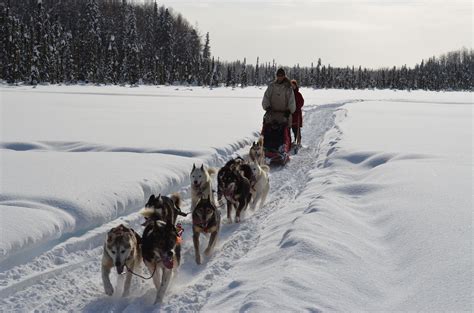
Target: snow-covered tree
130	66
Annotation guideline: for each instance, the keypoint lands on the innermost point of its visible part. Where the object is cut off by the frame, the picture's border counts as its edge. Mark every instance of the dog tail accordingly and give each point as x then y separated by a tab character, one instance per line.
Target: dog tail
260	141
265	167
176	198
147	212
212	171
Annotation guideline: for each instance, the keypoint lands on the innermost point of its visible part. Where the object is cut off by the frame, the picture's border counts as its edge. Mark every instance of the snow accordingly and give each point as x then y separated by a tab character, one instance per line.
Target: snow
373	214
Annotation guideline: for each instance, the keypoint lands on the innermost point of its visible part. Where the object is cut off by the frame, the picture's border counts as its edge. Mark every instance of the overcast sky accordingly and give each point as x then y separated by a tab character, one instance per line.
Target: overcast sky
370	33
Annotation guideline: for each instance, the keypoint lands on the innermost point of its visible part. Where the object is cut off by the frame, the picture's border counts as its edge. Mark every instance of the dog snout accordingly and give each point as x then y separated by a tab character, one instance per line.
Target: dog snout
119	267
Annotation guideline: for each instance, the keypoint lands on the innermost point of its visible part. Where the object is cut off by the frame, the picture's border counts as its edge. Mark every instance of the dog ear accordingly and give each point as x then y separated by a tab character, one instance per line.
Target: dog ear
109	238
202	167
194	167
151	199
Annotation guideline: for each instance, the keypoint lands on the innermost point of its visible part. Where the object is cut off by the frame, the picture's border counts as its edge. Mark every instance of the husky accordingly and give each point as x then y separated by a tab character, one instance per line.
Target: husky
121	249
230	166
257	153
161	254
262	184
201	184
206	219
235	188
162	208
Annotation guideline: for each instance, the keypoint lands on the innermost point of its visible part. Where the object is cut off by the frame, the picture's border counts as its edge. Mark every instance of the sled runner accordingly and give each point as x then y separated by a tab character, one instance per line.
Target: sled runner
295	147
277	143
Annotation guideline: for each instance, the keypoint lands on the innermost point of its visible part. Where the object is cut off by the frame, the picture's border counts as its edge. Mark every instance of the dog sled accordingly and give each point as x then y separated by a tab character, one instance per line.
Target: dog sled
277	143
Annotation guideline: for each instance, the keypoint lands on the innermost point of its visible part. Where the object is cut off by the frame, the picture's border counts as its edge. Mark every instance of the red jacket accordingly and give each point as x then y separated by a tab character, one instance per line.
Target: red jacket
298	115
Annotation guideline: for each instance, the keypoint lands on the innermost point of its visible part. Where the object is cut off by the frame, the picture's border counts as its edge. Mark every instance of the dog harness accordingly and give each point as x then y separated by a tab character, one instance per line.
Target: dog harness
229	193
179	232
202	225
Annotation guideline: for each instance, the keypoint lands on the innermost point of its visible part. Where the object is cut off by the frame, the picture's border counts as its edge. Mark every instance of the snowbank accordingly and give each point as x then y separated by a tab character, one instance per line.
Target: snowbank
75	157
374	214
382	224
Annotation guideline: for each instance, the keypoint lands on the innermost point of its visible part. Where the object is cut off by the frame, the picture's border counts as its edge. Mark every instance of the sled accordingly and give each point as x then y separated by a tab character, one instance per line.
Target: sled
276	143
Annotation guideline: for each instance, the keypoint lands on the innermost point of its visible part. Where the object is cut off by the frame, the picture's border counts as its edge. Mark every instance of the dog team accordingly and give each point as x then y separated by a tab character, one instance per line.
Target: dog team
240	184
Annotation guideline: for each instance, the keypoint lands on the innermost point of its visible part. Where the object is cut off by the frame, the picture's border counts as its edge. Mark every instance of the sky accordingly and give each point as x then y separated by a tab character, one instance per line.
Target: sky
359	32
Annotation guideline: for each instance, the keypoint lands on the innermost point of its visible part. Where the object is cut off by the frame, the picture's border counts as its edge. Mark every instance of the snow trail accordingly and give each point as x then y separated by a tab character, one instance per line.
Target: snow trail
67	277
371	215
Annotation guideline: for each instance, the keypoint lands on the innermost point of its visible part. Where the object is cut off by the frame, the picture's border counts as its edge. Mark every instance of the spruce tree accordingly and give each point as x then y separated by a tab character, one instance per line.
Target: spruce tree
130	66
92	41
206	54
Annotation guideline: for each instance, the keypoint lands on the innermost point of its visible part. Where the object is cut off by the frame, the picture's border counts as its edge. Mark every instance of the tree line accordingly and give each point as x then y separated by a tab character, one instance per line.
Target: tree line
118	42
98	41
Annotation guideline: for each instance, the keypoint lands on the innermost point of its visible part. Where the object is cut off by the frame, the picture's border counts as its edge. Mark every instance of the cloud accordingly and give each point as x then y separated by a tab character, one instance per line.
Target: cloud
337	25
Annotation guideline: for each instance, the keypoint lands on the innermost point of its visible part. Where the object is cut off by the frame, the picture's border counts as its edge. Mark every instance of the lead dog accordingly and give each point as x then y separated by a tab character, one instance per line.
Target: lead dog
161	248
121	249
262	183
206	219
161	254
201	184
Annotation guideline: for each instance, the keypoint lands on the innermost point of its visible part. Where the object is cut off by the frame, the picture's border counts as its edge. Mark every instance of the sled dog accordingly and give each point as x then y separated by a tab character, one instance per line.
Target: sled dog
256	153
231	165
235	188
201	184
206	219
161	252
262	184
162	208
121	249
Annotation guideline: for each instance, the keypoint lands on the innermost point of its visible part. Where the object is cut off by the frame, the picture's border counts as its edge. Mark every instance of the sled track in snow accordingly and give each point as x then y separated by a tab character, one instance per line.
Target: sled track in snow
286	184
63	280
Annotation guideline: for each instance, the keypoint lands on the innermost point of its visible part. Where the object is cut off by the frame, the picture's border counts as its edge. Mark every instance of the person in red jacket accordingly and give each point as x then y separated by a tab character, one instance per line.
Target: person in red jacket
298	115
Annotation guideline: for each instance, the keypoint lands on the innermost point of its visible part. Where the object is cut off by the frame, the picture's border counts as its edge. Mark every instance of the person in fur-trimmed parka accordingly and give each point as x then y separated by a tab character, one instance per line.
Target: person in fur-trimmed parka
279	100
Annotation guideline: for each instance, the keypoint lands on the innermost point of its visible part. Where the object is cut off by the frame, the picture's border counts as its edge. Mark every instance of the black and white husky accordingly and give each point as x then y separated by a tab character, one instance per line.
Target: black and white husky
161	248
121	249
162	208
161	254
234	187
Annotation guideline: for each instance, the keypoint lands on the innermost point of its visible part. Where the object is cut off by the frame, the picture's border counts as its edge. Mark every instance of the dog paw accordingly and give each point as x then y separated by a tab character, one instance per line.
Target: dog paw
237	219
109	290
208	251
198	259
